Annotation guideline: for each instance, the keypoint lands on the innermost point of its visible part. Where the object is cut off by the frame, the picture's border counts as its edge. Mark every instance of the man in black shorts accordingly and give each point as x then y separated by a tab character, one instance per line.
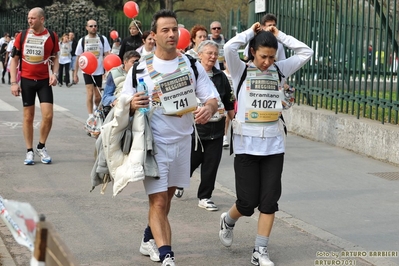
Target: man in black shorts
37	47
99	46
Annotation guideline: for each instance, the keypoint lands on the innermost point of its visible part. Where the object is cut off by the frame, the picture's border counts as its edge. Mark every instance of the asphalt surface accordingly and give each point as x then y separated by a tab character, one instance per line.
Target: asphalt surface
333	201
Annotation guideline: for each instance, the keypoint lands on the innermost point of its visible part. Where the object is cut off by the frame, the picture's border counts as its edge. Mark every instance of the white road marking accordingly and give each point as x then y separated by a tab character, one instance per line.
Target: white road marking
6	107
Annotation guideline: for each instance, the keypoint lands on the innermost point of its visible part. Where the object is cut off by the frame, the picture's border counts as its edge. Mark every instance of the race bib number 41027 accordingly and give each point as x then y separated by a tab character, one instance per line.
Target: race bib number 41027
263	106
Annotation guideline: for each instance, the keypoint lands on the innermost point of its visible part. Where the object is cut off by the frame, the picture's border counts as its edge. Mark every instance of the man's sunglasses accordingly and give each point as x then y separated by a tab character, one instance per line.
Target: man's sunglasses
217	28
91	26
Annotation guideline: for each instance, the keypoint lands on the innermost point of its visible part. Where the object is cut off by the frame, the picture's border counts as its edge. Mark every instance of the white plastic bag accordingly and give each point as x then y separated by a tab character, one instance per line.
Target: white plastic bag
21	219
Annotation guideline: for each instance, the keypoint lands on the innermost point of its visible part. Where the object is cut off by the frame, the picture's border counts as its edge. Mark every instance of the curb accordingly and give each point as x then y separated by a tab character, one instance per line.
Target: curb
5	256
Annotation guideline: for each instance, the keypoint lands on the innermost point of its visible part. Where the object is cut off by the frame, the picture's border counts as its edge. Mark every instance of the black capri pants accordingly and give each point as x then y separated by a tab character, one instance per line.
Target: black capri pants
258	182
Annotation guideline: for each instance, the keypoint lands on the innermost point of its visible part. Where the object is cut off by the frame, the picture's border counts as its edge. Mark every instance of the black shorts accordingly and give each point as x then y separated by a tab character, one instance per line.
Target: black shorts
32	87
97	79
258	182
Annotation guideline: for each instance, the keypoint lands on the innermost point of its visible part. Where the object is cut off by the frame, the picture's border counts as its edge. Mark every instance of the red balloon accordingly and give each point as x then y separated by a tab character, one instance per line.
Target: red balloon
88	63
111	61
131	9
184	39
114	34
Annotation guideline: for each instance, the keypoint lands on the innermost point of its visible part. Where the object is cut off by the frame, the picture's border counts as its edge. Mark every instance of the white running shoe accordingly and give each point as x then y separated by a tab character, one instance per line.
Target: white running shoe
43	155
179	192
150	249
207	204
30	158
226	232
168	261
261	257
225	141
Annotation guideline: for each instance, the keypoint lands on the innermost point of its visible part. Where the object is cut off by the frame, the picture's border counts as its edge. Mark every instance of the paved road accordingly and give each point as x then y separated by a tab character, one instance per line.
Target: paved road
333	200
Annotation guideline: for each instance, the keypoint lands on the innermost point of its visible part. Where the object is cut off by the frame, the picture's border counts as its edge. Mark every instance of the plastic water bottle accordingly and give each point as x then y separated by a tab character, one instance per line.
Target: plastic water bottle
143	87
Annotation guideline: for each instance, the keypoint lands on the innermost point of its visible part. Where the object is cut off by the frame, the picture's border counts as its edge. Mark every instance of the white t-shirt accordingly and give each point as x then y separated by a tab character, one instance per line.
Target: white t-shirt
171	129
102	50
65	53
9	49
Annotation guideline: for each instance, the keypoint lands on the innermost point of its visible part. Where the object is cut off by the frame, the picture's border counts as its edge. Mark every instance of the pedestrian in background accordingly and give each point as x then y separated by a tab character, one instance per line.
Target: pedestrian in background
99	46
64	61
73	43
217	36
116	77
148	44
209	151
134	41
198	34
116	46
35	79
3	56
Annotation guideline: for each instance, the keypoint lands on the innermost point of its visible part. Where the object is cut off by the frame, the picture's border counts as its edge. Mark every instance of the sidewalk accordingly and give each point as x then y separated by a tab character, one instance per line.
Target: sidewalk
101	230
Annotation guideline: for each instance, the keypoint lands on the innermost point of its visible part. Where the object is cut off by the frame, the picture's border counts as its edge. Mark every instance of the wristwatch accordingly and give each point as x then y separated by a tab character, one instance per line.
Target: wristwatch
56	75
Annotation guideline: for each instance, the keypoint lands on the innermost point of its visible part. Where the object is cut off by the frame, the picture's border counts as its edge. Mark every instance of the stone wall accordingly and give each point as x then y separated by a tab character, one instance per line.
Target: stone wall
363	136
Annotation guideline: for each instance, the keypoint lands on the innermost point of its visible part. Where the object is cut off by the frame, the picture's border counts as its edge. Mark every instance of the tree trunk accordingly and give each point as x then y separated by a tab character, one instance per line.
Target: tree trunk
169	4
162	4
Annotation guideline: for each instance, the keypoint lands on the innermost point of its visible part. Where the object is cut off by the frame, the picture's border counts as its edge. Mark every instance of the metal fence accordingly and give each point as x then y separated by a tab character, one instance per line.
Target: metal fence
65	21
354	67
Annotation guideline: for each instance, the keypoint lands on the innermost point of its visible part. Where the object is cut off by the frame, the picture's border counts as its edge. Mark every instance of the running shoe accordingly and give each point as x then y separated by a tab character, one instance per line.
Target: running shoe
261	257
149	248
179	192
30	158
207	204
226	232
168	261
45	158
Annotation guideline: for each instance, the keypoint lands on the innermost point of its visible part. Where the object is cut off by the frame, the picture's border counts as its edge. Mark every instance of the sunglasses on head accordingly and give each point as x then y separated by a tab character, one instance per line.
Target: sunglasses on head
91	26
217	28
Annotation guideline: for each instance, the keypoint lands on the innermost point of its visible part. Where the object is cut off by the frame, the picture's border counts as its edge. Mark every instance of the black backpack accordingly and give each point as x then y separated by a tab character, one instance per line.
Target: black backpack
3	52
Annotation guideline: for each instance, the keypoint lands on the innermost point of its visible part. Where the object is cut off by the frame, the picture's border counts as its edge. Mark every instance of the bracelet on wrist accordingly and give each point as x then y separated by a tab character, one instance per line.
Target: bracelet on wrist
14	83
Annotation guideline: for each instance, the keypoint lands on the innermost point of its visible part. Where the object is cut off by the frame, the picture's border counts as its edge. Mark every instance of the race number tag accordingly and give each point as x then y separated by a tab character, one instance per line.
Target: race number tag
177	95
263	100
34	48
93	45
64	50
220	113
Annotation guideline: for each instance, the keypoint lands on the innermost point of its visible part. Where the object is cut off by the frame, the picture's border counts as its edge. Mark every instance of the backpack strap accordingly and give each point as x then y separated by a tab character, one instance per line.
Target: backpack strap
134	73
192	64
243	77
280	74
83	41
280	77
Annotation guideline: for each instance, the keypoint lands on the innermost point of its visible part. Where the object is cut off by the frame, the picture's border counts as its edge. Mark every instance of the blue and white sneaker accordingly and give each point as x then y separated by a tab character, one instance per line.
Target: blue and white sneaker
30	158
45	158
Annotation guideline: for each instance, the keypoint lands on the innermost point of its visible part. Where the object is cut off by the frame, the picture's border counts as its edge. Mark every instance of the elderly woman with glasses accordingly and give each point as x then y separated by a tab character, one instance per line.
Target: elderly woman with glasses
209	151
